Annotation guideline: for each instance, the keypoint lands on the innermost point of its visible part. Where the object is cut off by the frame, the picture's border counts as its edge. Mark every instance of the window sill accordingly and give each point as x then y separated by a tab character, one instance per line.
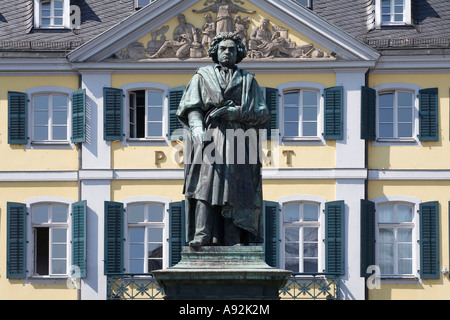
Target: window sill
144	141
51	145
412	279
394	141
302	140
48	279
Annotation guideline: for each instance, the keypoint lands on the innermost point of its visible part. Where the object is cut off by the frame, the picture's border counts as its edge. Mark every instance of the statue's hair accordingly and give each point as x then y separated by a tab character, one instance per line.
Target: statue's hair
214	46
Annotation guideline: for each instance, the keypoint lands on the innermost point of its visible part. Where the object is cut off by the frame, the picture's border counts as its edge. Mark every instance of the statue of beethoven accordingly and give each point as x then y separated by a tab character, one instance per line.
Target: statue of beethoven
223	192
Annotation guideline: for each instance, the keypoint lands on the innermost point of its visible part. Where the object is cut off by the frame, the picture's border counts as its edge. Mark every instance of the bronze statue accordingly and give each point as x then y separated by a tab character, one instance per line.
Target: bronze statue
223	109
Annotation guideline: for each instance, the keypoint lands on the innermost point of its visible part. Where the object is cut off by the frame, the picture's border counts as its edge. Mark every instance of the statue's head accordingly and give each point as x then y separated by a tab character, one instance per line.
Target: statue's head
214	46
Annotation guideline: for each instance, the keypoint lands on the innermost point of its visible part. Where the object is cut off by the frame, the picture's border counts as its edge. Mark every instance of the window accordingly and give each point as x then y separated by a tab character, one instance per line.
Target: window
300	113
146	109
50	239
141	3
51	14
301	237
306	3
50	114
145	234
392	12
395	244
396	114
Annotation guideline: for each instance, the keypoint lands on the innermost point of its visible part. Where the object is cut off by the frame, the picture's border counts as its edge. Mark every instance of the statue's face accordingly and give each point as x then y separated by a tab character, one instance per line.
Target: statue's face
227	53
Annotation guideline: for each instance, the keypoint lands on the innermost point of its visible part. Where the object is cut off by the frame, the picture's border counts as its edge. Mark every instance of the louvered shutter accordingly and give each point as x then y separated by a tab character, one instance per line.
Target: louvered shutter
175	95
368	113
17	118
367	236
334	237
271	96
177	231
429	240
113	108
428	115
79	237
16	240
271	236
79	116
334	113
114	237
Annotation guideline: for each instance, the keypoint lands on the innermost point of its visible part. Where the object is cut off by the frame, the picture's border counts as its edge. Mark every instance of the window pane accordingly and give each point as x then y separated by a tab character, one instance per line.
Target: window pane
404	130
40	103
136	213
310	212
386	130
59	235
310	234
404	251
291	129
292	265
404	213
386	115
154	129
40	214
40	133
59	213
58	22
60	102
136	250
404	235
404	99
156	213
58	13
154	98
59	251
309	129
310	265
386	251
59	117
291	234
41	118
137	235
386	100
60	133
310	114
309	98
154	264
291	113
59	266
310	249
58	4
154	114
405	114
291	212
291	249
137	266
386	213
155	234
387	266
405	266
291	99
155	250
386	235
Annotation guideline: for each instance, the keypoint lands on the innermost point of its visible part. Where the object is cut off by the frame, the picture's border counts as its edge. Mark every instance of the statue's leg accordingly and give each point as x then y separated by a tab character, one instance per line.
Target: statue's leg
204	224
232	233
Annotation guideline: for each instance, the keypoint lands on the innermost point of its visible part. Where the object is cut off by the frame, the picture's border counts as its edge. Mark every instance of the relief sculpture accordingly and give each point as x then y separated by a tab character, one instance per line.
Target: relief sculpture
262	38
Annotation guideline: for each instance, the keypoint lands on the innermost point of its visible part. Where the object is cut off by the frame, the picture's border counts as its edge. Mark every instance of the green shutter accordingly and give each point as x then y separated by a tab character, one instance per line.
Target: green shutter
334	237
177	231
368	113
17	118
114	237
79	116
113	108
334	113
428	115
79	237
271	96
175	95
271	233
367	236
429	240
16	240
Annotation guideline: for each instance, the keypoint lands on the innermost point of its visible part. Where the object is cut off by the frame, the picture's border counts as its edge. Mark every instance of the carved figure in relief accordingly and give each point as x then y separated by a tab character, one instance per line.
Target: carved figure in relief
224	10
208	31
240	28
261	40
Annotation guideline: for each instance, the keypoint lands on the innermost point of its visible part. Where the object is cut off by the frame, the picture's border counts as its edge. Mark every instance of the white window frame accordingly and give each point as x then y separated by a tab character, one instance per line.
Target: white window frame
145	86
320	223
302	86
164	202
37	16
398	87
407	20
30	203
137	6
309	5
414	203
49	90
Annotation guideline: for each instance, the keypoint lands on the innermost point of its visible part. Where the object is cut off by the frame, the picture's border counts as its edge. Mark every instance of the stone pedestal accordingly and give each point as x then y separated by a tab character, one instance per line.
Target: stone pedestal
225	273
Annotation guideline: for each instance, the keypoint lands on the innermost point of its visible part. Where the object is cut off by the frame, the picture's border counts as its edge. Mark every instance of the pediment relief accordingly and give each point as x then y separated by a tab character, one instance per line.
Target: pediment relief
188	35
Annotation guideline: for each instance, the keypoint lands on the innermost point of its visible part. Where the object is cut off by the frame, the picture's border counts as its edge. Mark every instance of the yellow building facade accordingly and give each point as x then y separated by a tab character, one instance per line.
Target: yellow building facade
91	175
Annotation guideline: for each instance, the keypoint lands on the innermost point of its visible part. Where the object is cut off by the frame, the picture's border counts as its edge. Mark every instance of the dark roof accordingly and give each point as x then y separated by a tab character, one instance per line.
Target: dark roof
431	26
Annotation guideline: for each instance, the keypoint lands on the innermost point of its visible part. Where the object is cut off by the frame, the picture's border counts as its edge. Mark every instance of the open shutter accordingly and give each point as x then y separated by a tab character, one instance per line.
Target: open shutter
429	240
114	237
367	236
175	95
17	118
334	237
177	231
113	105
79	116
368	113
271	96
79	238
271	236
334	113
428	115
16	240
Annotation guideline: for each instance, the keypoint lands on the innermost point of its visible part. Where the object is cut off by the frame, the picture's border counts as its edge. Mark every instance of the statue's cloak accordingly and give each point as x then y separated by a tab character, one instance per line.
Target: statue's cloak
234	186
